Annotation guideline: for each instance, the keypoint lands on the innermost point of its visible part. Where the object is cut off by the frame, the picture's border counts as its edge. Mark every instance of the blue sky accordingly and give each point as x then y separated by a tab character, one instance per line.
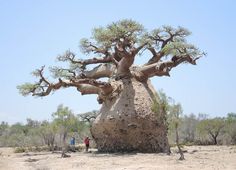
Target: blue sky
33	33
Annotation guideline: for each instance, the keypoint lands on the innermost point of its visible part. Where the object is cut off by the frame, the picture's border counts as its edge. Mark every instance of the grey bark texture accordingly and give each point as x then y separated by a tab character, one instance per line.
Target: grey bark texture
127	123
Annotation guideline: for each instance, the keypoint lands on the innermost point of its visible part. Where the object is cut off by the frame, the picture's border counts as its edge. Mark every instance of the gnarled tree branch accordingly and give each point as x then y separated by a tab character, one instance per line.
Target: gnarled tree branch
69	56
162	37
163	68
102	70
85	85
115	48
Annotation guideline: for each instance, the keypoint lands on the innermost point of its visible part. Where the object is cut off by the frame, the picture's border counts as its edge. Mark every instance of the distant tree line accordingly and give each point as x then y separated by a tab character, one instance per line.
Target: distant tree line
202	130
54	134
191	129
195	129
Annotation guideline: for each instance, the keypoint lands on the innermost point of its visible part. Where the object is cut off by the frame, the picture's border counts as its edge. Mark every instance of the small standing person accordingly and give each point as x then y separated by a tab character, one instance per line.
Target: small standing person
72	144
86	142
72	141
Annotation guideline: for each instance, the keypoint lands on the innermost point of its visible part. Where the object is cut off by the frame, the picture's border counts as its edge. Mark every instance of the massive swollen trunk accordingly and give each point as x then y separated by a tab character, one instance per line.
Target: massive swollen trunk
127	123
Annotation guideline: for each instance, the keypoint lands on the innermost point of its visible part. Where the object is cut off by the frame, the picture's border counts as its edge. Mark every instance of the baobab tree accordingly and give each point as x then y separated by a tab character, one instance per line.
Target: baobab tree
126	121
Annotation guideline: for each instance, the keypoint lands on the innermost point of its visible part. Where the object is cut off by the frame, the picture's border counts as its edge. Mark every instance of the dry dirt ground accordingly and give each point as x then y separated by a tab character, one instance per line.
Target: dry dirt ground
197	158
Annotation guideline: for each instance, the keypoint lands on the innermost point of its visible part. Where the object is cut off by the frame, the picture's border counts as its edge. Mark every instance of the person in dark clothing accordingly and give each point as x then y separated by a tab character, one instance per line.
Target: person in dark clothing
72	141
72	144
86	142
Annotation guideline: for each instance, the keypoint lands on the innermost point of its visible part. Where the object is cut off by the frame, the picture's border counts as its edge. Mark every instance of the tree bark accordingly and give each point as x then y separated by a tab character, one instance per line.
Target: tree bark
214	136
177	143
127	123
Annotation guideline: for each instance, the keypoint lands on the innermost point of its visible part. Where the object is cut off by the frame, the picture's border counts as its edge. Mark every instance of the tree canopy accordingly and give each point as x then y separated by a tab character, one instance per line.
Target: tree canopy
112	51
212	127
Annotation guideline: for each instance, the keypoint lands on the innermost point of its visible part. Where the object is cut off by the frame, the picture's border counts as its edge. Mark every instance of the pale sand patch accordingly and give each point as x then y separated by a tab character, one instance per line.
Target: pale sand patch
197	158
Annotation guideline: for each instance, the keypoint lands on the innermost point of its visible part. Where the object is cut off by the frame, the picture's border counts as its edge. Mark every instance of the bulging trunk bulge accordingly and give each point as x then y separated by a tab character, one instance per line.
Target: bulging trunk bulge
127	123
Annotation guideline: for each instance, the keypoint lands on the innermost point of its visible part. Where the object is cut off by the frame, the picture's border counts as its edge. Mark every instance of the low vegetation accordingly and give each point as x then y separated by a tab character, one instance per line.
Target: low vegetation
204	130
52	135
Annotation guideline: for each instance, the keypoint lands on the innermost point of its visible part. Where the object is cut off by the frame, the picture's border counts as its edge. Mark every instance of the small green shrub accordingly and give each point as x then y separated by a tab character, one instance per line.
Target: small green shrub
19	150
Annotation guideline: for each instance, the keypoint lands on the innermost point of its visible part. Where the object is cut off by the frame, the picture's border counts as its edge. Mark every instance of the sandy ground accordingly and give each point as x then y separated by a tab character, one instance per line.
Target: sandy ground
197	158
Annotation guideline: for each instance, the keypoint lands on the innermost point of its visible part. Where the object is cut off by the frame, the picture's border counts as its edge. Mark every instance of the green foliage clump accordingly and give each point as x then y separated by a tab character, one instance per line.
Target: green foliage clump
19	150
116	31
160	106
230	127
26	88
211	127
